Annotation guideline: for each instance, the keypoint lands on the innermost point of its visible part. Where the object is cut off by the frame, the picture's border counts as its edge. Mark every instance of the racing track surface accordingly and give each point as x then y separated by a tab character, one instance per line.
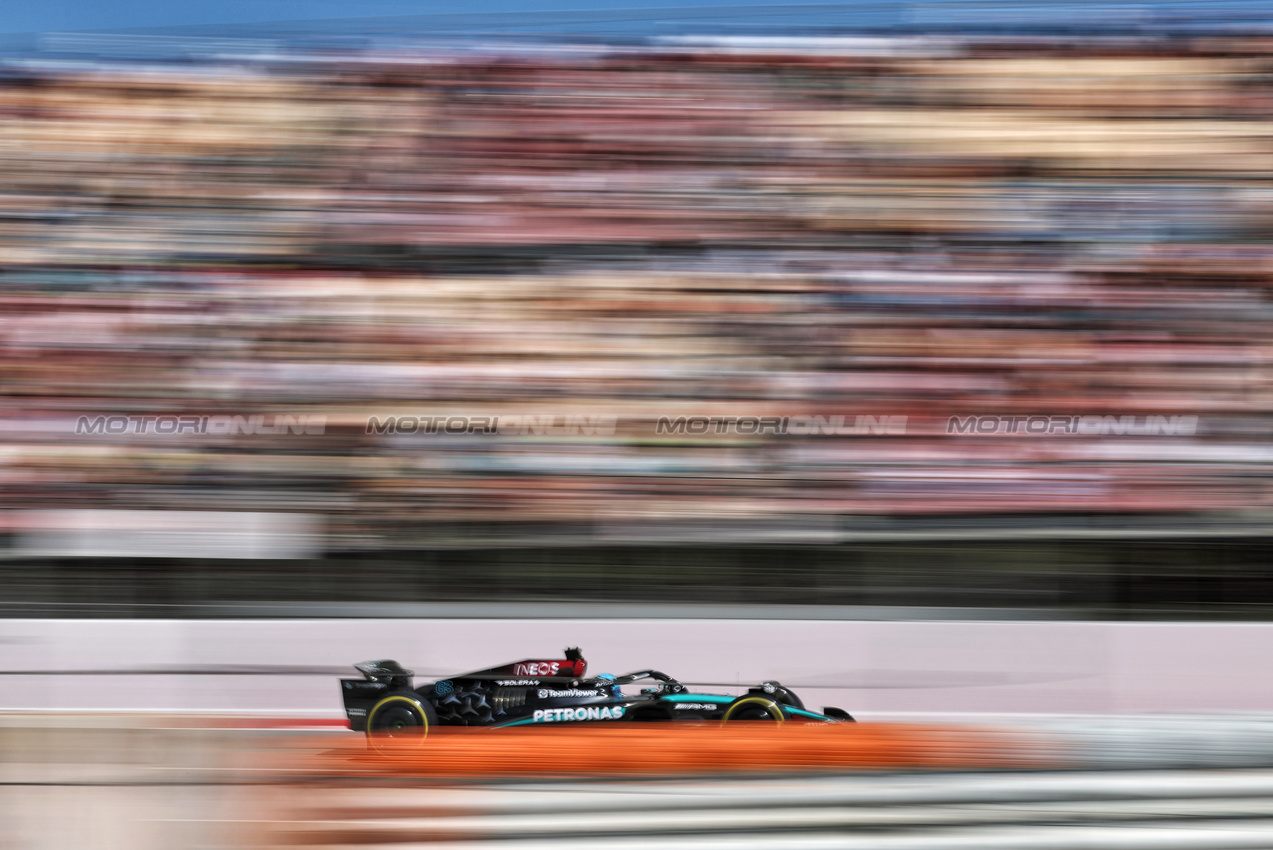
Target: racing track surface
875	670
947	811
130	735
1090	783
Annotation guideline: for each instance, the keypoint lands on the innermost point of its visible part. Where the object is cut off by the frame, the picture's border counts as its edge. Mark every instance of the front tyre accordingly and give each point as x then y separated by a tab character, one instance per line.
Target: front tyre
402	717
753	707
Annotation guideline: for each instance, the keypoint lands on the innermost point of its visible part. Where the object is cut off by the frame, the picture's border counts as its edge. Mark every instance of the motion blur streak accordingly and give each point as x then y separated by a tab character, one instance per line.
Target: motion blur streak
734	321
123	783
956	227
683	748
945	811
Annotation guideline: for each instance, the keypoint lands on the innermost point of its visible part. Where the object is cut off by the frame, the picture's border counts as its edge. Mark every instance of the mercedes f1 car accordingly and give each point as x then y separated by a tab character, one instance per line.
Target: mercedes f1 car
537	691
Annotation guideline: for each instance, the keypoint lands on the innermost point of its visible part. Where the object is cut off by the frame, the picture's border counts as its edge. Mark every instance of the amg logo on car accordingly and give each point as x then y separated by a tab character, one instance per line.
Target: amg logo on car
592	712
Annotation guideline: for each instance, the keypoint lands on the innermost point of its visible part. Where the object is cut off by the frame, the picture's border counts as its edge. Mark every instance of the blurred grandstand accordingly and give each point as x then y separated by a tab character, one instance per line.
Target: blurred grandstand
902	227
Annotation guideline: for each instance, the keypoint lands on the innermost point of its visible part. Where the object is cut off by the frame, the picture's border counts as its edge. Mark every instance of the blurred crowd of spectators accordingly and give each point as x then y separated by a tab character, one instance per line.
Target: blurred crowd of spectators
986	228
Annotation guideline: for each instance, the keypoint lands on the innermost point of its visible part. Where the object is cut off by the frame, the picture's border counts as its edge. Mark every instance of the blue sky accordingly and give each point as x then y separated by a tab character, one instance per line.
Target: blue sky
120	14
24	16
66	15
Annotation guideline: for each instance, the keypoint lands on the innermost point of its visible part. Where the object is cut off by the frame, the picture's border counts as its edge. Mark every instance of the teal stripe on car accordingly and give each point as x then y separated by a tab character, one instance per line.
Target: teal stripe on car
716	698
800	712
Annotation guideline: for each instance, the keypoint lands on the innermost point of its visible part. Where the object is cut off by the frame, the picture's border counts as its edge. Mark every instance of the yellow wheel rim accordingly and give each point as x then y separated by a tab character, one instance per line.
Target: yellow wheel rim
770	707
371	718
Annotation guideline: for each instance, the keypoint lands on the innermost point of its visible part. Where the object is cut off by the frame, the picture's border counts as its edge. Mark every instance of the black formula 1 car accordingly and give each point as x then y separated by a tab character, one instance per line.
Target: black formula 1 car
536	691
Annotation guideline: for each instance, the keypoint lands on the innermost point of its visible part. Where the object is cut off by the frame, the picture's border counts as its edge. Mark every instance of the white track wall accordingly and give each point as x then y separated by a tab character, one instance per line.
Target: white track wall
876	670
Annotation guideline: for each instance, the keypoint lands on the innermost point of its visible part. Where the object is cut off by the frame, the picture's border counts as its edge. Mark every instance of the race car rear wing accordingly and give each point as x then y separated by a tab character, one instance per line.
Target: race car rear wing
386	672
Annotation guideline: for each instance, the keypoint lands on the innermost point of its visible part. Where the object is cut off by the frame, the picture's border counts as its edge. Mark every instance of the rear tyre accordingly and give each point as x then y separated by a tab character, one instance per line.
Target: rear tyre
753	707
398	718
